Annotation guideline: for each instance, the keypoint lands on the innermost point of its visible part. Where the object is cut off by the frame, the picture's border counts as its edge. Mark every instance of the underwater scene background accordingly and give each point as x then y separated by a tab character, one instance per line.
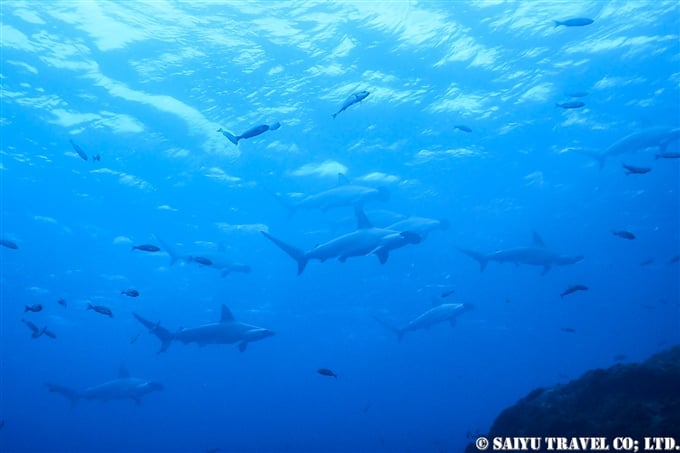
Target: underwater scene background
507	130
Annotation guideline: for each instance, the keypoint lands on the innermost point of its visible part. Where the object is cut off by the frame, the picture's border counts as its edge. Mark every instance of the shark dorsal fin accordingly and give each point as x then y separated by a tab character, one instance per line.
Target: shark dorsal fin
362	220
537	240
226	314
342	180
123	372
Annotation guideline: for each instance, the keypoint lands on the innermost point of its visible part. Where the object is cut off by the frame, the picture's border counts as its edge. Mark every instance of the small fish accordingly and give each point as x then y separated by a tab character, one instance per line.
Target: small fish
462	127
130	292
250	133
146	248
577	94
35	308
573	289
673	260
630	170
100	309
570	105
669	155
448	293
647	262
79	150
568	330
353	98
49	333
62	302
624	234
96	158
327	372
36	332
201	260
575	22
134	339
9	244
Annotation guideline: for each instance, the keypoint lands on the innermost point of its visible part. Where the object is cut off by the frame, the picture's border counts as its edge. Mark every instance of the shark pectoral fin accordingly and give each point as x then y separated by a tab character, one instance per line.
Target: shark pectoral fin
342	258
383	255
452	321
343	180
242	346
546	269
138	401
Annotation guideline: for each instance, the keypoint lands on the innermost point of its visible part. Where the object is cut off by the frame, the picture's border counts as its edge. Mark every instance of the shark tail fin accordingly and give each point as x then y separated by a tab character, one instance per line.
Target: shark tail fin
479	257
169	250
294	252
231	137
599	157
72	395
395	330
162	333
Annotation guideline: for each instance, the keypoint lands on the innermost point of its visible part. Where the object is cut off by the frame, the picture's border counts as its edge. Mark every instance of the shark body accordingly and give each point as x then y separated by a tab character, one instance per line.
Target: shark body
226	331
124	387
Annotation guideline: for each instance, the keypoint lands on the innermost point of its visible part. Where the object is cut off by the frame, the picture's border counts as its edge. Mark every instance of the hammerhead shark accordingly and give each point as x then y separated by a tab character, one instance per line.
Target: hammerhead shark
226	331
124	387
535	255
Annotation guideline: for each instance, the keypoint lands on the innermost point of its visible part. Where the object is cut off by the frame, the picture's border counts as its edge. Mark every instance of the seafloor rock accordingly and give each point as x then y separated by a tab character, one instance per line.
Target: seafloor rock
636	400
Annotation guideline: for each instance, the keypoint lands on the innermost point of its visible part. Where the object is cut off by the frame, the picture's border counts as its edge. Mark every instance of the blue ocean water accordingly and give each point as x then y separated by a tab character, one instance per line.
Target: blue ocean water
146	85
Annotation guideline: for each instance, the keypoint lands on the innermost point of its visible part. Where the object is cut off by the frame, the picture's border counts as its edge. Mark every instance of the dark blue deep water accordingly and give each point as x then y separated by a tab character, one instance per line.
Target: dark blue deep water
146	85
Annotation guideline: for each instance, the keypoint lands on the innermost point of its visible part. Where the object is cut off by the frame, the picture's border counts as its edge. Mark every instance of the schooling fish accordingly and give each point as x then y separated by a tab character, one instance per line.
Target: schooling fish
201	260
573	289
34	308
673	260
36	332
250	133
130	292
327	372
48	333
630	170
624	234
647	262
100	309
570	105
447	293
9	244
668	155
575	22
462	127
78	150
354	98
146	248
62	302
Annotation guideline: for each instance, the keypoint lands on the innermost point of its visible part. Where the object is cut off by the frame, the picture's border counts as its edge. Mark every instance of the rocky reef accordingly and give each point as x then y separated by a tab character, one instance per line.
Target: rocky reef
636	400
